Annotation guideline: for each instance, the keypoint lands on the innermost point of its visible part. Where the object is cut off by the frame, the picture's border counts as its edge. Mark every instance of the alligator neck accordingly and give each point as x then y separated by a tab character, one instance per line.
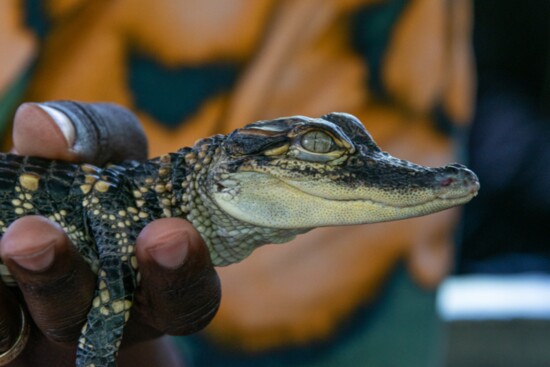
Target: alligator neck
181	187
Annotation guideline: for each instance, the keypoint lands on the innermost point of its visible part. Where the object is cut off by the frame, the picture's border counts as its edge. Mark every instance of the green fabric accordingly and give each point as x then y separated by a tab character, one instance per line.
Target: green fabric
11	99
401	329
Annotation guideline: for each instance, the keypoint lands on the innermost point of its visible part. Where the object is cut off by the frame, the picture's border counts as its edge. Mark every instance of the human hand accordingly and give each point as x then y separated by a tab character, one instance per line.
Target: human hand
179	291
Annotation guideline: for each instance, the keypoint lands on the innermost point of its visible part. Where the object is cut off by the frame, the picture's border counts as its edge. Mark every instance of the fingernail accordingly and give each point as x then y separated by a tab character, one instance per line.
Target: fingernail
63	123
36	261
172	253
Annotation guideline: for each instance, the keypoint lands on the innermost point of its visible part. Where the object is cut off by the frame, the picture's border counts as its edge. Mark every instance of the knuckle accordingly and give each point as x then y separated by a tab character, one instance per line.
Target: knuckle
186	307
44	288
58	305
62	324
194	320
201	301
66	332
205	284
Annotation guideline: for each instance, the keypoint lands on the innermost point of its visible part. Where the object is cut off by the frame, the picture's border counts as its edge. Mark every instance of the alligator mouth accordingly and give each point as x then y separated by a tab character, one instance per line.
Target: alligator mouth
445	194
266	200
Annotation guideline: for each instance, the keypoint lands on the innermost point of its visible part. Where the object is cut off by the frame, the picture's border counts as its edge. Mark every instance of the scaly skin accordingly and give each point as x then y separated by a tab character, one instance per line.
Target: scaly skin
264	183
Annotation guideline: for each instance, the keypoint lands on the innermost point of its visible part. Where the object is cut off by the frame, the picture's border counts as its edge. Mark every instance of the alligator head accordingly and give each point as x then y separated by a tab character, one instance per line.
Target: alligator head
300	172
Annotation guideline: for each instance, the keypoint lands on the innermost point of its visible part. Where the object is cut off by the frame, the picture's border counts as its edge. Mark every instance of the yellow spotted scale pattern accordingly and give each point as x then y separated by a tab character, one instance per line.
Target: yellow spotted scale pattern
264	183
102	210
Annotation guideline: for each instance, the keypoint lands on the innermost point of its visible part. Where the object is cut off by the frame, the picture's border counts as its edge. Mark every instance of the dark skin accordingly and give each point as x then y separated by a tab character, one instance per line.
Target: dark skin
179	292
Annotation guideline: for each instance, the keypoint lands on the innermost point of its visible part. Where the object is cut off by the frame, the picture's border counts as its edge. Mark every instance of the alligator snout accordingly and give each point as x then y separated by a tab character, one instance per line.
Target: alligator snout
455	179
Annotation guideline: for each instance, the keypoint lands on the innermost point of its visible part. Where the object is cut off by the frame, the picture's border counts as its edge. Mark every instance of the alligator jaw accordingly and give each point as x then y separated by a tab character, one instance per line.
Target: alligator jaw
267	201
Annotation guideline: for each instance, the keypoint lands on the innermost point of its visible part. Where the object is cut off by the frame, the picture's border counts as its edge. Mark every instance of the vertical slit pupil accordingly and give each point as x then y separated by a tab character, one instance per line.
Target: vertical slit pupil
317	141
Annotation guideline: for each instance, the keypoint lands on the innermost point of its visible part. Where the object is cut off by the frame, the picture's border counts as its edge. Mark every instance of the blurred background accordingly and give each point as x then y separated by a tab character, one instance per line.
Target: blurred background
434	81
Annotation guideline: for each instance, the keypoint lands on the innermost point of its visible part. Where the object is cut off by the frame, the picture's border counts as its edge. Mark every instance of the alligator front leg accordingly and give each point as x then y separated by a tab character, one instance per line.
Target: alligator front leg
102	334
115	230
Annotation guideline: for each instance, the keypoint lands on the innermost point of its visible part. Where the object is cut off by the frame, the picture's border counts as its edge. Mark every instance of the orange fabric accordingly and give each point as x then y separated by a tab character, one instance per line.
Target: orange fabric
17	44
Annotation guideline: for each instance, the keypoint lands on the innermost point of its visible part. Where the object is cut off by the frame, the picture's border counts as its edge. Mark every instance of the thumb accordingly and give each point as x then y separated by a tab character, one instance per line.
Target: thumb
97	133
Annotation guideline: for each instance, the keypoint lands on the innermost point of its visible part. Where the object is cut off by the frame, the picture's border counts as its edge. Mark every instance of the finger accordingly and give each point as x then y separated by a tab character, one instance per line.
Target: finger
44	132
97	133
178	280
55	281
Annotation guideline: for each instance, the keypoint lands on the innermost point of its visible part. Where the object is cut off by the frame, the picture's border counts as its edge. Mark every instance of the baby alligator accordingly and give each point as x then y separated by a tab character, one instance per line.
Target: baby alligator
264	183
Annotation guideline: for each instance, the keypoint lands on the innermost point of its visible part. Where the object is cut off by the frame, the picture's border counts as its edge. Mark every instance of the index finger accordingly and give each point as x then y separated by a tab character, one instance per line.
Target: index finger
96	133
180	291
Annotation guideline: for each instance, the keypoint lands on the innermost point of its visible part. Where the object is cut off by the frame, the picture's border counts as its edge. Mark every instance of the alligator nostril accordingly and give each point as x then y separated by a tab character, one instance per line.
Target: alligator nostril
457	177
447	181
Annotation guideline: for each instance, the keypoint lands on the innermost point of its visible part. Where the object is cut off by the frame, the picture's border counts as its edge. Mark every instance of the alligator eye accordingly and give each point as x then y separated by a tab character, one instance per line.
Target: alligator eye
317	142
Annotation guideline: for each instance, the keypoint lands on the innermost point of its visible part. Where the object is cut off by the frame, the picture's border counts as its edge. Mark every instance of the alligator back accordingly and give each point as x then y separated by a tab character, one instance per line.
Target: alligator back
30	185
